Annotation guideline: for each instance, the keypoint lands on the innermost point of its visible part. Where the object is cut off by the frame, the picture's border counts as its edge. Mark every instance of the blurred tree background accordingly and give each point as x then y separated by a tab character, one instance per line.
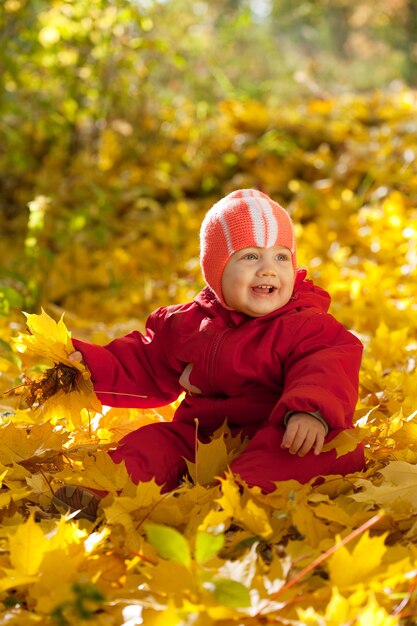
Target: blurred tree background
122	121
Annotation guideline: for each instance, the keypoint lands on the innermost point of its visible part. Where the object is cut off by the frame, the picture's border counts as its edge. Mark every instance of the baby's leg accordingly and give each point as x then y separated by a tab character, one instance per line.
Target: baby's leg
153	451
157	451
264	461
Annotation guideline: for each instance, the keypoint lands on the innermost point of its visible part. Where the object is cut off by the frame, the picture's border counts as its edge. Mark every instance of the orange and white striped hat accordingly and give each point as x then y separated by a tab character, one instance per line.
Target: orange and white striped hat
242	219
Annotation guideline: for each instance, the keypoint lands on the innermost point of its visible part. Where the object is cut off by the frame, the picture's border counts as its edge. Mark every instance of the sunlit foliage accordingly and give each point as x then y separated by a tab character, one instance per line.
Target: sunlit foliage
108	161
342	552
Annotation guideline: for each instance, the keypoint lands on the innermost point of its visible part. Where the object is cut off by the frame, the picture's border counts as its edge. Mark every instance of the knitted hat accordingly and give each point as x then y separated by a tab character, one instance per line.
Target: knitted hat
244	218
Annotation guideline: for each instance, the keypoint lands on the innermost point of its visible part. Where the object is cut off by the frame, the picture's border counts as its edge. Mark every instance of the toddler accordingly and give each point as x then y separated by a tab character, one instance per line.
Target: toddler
256	348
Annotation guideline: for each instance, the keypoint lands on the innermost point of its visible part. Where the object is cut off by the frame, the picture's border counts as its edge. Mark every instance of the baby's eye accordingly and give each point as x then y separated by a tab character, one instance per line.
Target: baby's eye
282	257
250	256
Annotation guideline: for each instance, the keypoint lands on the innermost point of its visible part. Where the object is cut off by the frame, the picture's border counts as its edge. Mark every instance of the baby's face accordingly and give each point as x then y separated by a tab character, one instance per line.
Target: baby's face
257	281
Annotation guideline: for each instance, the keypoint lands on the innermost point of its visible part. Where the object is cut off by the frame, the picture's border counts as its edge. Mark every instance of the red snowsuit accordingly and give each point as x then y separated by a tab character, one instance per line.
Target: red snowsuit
251	371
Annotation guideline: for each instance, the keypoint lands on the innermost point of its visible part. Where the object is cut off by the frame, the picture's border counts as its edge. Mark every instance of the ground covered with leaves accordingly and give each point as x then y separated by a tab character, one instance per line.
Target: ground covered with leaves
218	553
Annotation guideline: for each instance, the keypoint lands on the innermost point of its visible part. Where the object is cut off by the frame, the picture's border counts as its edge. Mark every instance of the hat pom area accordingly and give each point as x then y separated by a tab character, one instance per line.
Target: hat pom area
242	219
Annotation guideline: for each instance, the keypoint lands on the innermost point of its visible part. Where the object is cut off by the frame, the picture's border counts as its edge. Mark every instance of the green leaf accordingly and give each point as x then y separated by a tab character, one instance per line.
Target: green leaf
231	593
9	299
207	546
169	543
6	352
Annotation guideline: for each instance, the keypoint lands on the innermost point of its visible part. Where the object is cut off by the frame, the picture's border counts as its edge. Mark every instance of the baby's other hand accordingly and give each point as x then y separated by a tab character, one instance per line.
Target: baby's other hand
76	356
304	433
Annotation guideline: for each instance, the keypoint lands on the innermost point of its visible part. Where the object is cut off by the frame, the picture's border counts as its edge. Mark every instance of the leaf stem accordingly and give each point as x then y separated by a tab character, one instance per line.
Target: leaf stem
116	393
143	558
153	507
373	520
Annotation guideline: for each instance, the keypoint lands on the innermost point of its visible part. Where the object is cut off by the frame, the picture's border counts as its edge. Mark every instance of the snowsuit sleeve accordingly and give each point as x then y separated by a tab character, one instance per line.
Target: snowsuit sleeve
134	365
321	368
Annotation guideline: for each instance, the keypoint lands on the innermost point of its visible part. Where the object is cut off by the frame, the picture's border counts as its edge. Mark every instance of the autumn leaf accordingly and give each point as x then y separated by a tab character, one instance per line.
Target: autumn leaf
163	617
27	547
100	472
211	461
230	593
398	487
311	526
13	579
75	409
21	444
250	514
48	339
146	495
213	458
349	568
207	546
169	543
52	340
342	610
345	441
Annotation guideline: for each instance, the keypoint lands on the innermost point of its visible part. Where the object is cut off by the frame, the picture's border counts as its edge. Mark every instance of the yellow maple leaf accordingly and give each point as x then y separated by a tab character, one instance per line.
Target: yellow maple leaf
75	408
52	340
213	458
119	512
255	519
103	473
398	487
57	572
27	548
13	579
331	512
351	568
118	422
20	444
388	344
230	498
66	533
376	615
48	339
210	462
339	609
345	441
228	501
313	528
13	494
242	509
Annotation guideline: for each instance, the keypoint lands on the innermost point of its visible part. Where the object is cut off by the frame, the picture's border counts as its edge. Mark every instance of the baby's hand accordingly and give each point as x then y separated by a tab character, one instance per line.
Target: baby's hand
76	356
304	432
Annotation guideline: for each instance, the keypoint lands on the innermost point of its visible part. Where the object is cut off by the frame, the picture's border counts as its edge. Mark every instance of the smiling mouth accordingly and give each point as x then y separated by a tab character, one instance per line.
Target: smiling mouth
264	289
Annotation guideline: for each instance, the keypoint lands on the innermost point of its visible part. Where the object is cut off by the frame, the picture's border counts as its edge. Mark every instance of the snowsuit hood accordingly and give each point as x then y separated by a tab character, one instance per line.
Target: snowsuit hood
305	294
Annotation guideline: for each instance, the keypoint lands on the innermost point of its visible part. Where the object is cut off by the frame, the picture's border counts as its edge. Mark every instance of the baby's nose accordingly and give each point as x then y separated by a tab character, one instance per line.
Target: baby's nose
267	269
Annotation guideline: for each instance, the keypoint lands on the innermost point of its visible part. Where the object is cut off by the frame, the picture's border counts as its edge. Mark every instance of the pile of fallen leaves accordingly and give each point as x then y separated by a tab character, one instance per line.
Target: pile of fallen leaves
339	553
342	553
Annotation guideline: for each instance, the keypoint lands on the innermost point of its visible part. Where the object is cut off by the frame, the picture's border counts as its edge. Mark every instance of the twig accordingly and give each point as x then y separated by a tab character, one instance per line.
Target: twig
143	558
4	393
373	520
153	507
400	607
48	482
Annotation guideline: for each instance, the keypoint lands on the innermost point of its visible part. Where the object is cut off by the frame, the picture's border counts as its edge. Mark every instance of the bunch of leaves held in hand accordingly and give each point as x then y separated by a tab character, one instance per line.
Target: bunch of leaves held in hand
58	378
